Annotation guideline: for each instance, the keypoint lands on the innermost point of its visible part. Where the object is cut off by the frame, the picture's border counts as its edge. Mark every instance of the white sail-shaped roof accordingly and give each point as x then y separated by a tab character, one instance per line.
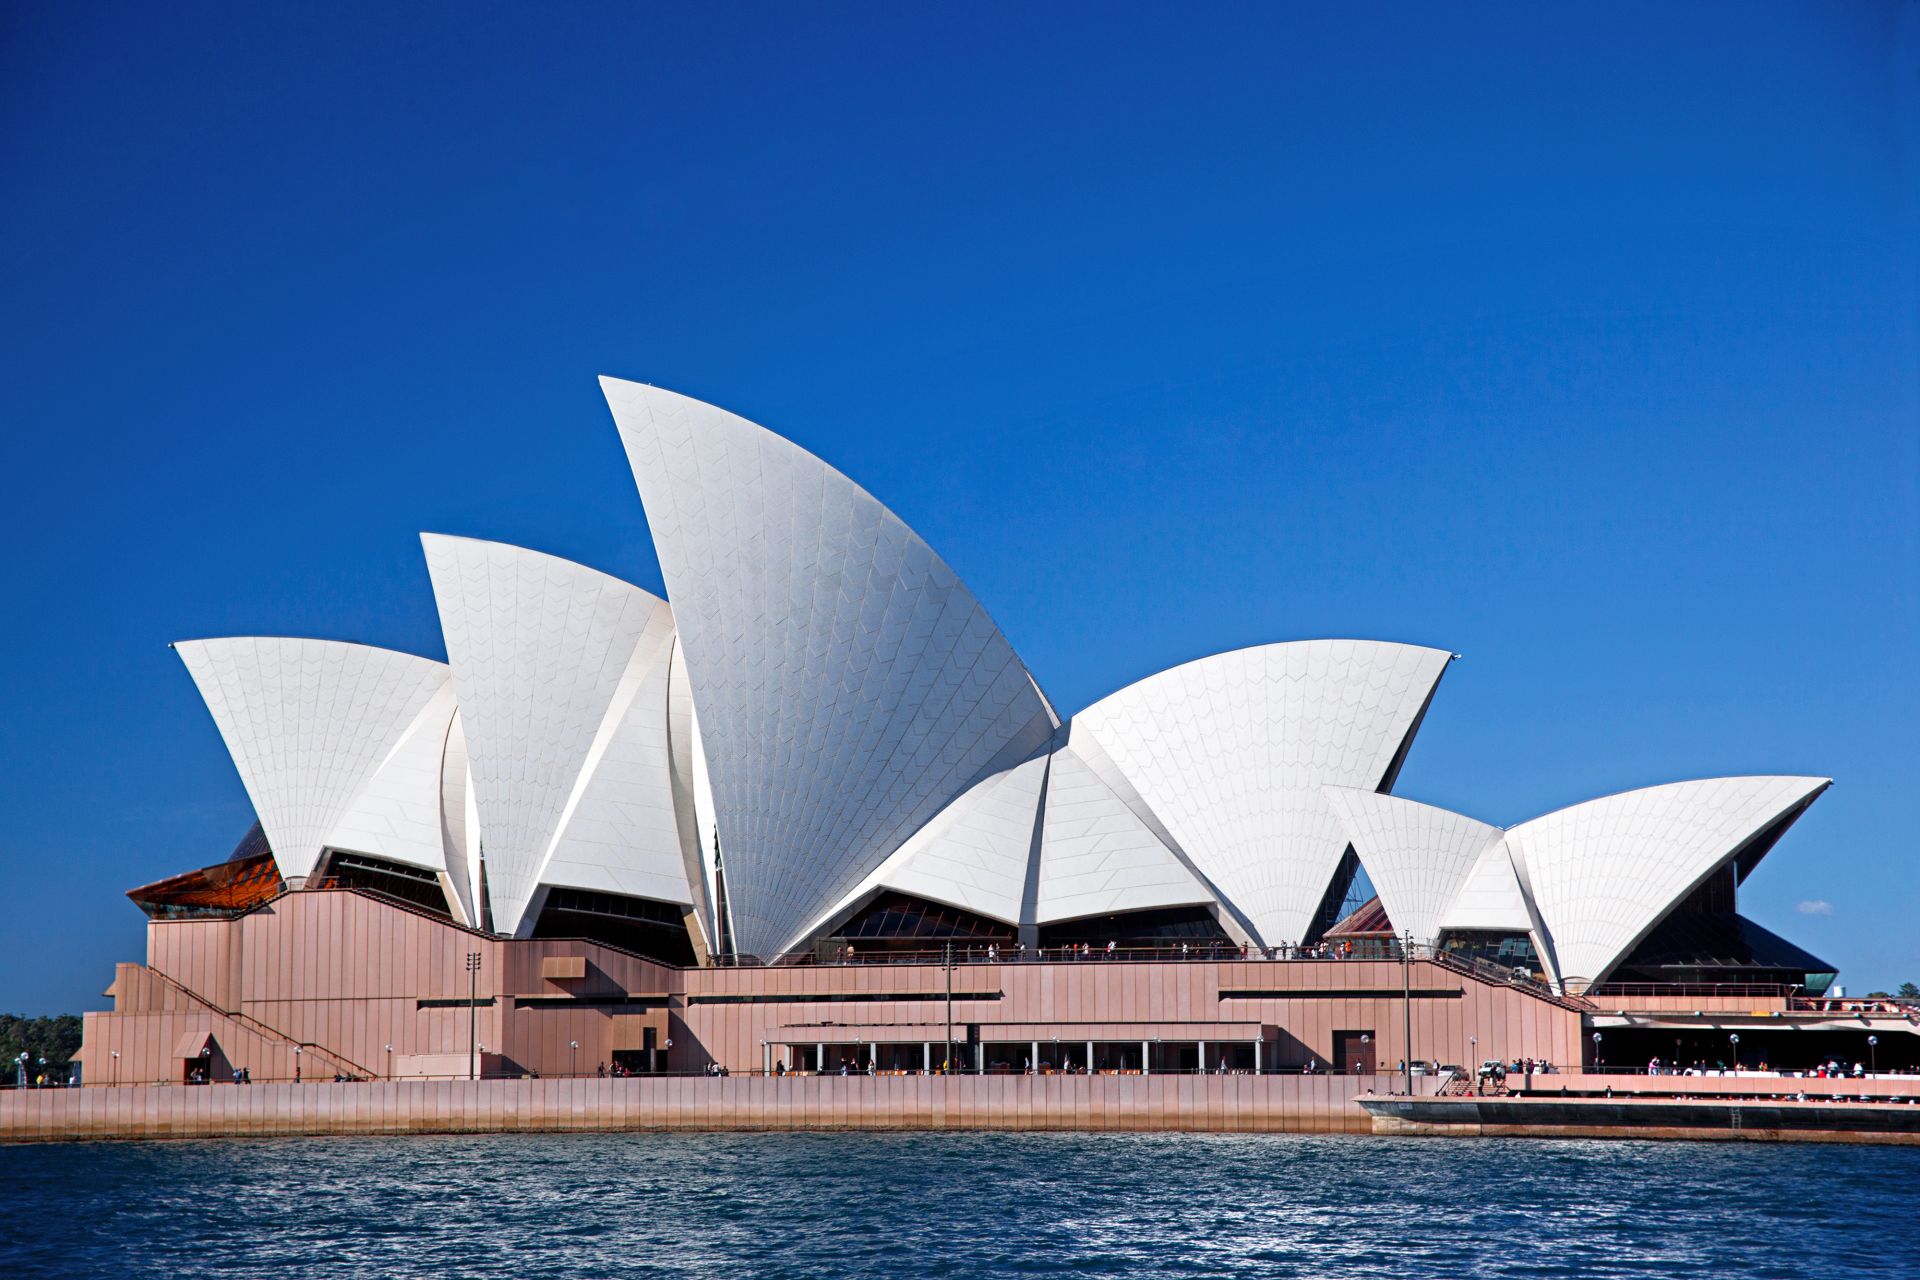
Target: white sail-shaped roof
460	824
1604	873
1491	900
308	724
397	814
540	648
848	685
1419	858
624	833
1230	754
1097	857
975	853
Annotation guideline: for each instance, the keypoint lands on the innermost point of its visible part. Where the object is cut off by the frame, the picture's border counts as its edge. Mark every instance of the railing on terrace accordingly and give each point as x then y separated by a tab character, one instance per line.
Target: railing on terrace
1727	1071
1857	1007
1707	990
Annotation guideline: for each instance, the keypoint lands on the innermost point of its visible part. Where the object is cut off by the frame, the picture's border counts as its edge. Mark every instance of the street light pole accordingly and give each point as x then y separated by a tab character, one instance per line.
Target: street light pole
1598	1061
116	1066
1406	1005
1735	1040
573	1065
473	1010
1873	1064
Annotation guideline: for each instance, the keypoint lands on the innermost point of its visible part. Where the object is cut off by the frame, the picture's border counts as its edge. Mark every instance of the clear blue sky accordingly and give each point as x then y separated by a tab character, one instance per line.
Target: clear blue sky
1582	342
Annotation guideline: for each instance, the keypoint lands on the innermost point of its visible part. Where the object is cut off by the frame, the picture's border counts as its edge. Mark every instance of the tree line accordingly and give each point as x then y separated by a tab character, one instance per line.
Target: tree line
56	1039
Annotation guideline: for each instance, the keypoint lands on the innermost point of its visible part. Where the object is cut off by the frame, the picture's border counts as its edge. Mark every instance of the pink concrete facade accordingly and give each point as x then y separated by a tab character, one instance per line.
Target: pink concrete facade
368	989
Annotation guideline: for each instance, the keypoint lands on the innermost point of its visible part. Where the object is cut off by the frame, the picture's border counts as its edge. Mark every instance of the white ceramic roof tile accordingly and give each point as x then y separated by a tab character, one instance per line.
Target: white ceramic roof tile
1604	873
459	824
1491	899
539	647
1097	857
685	775
1420	858
624	833
307	722
1230	754
397	814
974	854
848	685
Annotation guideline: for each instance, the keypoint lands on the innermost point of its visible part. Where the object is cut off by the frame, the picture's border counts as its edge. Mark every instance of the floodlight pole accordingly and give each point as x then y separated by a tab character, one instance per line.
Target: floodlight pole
473	1010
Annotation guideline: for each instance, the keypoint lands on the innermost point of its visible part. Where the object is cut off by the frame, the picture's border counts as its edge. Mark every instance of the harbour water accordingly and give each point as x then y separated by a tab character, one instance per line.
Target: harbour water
954	1204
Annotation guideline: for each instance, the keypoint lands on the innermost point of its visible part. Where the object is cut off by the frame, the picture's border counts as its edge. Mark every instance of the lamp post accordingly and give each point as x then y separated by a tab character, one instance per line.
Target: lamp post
1365	1040
116	1066
473	1010
1873	1065
1406	1007
1734	1039
1598	1061
296	1064
389	1062
573	1064
20	1070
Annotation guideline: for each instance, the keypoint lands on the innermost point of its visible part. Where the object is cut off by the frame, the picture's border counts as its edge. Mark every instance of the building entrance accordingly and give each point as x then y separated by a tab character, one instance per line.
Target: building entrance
1353	1052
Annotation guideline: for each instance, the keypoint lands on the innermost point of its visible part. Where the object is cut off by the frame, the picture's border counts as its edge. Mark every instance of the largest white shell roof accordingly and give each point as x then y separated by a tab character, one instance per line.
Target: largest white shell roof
848	685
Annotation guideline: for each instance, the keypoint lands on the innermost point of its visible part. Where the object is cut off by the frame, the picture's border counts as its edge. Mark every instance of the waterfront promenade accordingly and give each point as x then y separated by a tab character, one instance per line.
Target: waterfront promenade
1194	1103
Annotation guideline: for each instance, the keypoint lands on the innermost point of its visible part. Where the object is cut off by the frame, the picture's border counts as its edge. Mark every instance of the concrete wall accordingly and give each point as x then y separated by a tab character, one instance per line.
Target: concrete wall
1247	1104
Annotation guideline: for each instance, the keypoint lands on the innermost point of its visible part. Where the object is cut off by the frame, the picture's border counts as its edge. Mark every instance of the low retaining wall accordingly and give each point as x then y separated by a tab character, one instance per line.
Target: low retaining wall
1221	1104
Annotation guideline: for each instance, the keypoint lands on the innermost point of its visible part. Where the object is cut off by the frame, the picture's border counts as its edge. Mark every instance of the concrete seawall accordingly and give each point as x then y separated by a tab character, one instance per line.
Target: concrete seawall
1193	1103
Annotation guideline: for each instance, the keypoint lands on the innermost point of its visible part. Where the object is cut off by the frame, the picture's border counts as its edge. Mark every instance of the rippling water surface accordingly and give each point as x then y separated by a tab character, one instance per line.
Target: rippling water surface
921	1205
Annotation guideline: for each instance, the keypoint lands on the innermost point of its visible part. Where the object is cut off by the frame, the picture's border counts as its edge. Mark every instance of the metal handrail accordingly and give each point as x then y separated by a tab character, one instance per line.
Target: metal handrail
251	1023
1729	990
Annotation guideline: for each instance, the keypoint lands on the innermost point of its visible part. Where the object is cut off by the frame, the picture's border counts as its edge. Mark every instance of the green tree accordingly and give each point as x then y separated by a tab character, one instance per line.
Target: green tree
56	1039
1909	992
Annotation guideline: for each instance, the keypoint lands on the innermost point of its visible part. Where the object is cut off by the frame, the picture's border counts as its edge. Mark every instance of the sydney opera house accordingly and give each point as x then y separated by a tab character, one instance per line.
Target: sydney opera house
812	812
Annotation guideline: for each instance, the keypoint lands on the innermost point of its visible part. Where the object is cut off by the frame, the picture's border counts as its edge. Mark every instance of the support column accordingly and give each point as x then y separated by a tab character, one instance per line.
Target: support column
1034	1058
926	1057
873	1057
1202	1058
1146	1063
820	1059
1089	1062
1257	1046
